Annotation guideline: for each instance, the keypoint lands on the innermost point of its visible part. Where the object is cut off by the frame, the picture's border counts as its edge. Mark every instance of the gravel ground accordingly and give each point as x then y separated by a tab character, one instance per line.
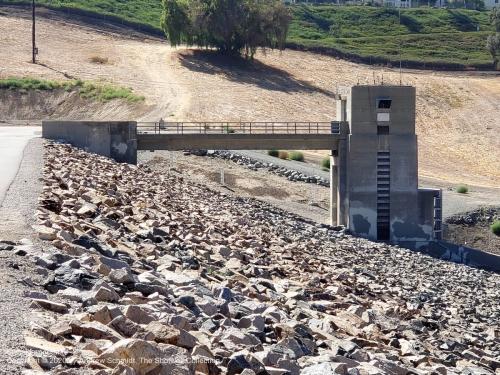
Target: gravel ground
307	200
17	275
305	168
177	262
453	203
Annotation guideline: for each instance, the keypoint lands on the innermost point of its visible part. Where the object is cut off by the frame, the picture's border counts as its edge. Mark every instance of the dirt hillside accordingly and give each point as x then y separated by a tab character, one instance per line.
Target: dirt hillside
56	104
458	117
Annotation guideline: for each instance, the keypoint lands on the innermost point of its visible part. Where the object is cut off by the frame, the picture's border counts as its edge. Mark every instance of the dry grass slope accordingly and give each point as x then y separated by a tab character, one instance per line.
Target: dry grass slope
457	113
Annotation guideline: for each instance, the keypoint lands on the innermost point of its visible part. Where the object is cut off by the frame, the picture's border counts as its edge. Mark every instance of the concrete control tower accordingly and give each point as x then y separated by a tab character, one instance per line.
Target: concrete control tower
376	169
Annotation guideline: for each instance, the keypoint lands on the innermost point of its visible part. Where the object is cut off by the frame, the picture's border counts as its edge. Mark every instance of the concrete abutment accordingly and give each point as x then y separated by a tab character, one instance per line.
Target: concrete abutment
374	167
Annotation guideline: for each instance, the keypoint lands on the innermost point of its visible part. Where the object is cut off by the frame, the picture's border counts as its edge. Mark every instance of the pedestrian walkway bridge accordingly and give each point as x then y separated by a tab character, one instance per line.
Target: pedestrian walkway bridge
239	135
373	146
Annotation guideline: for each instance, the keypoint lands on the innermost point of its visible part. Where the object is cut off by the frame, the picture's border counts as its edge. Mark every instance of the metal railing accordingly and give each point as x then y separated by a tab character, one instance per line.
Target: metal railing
224	127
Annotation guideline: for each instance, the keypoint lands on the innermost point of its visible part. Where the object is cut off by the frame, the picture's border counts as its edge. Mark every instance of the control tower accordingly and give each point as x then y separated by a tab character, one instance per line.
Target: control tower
376	169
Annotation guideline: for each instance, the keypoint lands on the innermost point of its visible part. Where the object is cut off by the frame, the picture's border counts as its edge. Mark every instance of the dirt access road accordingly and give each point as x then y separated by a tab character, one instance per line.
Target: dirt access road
67	46
458	114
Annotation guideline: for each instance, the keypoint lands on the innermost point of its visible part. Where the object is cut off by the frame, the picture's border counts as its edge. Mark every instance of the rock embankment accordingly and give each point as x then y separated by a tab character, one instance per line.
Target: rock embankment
473	229
481	216
149	274
289	173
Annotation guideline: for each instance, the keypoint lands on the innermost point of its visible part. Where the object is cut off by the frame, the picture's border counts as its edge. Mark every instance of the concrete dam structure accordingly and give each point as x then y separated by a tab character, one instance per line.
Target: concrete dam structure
373	145
376	169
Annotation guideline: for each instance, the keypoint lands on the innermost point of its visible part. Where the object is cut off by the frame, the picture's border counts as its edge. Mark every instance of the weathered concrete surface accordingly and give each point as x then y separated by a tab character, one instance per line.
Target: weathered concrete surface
114	139
13	140
380	200
464	255
237	141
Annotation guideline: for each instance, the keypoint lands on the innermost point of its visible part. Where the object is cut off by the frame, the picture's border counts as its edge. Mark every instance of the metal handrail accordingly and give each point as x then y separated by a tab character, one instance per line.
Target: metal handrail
225	127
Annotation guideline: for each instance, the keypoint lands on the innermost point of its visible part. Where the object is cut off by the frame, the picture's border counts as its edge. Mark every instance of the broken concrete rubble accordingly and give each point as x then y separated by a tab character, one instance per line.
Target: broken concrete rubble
225	285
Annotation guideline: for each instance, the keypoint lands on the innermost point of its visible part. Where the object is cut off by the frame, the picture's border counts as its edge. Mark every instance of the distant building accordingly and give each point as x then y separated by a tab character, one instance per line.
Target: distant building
387	3
397	3
490	4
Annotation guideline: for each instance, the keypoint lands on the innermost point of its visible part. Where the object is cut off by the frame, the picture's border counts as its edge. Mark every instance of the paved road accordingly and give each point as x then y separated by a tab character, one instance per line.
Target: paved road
13	140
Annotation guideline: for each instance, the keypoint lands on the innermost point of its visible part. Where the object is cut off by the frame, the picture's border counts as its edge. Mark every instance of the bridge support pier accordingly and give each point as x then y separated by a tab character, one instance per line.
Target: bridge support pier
334	170
338	170
114	139
339	204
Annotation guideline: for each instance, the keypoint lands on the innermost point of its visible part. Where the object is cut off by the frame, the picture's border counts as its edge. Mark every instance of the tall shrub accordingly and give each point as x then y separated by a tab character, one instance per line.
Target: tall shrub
493	40
231	26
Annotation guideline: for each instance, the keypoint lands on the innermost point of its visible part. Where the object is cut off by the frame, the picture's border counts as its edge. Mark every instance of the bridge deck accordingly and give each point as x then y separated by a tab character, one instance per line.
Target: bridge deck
239	135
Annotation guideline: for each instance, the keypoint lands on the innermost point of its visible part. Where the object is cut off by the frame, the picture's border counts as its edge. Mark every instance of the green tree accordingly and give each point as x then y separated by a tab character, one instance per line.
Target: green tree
178	22
493	41
475	4
231	26
493	46
495	19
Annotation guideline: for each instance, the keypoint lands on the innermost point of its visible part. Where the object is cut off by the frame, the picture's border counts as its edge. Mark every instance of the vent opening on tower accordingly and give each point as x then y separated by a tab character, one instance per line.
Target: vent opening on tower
384	103
382	129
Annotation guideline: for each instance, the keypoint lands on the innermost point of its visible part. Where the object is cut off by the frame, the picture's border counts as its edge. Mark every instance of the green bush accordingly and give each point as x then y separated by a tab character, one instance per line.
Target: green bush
274	153
325	163
88	90
296	155
99	60
283	155
495	227
462	189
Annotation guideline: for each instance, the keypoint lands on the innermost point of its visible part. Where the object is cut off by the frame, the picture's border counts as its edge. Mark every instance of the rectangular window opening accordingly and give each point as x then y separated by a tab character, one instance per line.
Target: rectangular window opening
384	103
382	130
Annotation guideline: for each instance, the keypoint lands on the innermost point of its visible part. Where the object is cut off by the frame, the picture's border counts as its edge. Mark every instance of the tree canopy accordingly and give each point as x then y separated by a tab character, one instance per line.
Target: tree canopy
493	41
231	26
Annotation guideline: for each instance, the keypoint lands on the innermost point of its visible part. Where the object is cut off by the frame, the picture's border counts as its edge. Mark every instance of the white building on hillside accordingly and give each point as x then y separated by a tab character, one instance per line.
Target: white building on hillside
398	3
490	4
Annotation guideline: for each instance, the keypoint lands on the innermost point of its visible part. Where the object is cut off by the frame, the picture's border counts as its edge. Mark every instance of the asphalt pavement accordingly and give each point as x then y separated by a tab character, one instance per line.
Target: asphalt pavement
13	140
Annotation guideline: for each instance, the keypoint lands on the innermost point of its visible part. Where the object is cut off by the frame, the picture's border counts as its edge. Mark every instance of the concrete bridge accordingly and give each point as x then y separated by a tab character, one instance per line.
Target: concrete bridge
240	135
373	146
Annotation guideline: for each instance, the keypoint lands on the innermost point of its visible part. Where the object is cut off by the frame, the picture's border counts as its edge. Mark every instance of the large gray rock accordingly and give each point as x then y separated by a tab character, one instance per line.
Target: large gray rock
148	357
325	368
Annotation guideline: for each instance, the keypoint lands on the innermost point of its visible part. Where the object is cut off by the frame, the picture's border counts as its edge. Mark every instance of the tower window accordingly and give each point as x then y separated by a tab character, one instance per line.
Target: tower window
382	129
384	103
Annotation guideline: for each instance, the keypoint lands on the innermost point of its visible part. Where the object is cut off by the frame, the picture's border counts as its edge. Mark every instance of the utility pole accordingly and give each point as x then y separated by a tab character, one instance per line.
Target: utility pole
34	49
400	63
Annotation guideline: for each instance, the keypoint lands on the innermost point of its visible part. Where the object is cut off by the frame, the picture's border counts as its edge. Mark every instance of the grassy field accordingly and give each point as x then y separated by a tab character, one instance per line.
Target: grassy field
425	37
433	37
89	90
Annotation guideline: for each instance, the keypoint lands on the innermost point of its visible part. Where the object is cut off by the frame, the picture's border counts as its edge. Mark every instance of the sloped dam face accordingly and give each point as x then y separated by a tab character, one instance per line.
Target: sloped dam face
62	104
